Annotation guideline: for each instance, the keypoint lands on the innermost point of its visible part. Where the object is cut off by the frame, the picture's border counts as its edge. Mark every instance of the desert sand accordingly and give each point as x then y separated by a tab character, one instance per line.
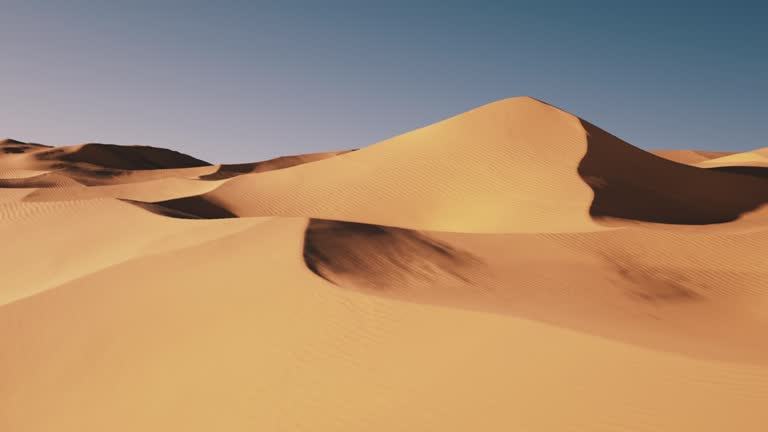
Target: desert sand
512	268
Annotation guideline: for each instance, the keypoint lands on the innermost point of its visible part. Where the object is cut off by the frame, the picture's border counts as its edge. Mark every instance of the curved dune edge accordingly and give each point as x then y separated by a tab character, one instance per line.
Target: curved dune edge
688	157
227	171
517	165
239	325
110	165
650	288
55	242
119	157
506	166
620	289
754	158
147	191
632	184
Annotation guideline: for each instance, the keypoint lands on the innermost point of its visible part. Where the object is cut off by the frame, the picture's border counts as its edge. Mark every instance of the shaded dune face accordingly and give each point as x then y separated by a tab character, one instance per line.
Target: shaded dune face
630	183
590	282
516	165
752	171
492	267
197	207
123	157
167	211
381	258
11	146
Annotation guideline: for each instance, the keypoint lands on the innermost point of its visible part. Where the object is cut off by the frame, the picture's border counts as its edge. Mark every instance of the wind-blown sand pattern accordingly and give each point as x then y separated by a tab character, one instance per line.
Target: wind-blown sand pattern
511	268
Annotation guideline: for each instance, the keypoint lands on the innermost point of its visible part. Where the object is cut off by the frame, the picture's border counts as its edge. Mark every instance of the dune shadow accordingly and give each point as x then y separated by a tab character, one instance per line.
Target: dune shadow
193	207
380	257
630	183
753	171
123	157
14	150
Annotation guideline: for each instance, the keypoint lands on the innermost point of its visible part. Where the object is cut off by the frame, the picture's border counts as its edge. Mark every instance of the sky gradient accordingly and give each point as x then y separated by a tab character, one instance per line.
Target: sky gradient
237	81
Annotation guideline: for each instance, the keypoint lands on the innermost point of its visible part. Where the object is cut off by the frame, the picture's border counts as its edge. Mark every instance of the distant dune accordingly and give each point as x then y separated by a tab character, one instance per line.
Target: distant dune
511	268
689	157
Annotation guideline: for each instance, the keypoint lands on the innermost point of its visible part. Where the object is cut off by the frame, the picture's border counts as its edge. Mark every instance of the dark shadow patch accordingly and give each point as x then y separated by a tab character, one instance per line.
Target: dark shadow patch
14	150
124	157
90	175
228	171
630	183
51	154
760	172
197	206
160	210
379	257
12	146
9	141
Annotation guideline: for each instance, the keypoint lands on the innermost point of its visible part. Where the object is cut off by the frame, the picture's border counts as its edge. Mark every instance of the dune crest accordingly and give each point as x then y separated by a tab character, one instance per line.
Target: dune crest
510	268
689	157
517	165
506	166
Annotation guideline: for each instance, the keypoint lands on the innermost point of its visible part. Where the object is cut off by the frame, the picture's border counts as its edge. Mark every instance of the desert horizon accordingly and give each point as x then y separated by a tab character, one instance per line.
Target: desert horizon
512	267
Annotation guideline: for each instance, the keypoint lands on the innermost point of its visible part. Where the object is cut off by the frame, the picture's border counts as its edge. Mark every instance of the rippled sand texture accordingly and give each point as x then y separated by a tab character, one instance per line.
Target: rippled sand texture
513	268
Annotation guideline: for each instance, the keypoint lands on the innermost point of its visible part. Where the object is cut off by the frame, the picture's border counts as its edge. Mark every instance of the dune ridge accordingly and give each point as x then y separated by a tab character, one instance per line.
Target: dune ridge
689	157
531	168
514	267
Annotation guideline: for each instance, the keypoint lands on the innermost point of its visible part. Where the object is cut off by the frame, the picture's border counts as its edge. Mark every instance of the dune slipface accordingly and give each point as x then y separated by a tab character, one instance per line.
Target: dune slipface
511	268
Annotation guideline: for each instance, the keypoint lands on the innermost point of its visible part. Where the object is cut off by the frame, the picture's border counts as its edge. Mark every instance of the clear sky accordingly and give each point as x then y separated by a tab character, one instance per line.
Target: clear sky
236	81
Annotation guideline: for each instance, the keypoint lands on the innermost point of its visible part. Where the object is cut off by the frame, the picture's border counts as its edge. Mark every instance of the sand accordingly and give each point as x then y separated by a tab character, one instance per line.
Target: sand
689	157
511	268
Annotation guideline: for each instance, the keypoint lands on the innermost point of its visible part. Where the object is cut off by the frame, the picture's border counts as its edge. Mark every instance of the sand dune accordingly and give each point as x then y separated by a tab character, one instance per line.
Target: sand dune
688	157
754	158
148	191
530	167
636	285
507	166
234	170
120	157
511	268
239	326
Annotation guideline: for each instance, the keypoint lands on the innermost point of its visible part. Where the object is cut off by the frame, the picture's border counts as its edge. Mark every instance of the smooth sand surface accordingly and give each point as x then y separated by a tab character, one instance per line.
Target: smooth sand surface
689	157
755	158
510	268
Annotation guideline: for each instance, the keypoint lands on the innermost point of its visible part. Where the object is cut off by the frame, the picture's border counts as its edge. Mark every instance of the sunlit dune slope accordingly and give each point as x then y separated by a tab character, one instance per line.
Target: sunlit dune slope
234	170
754	158
49	243
517	165
506	166
513	268
237	334
148	191
140	173
701	293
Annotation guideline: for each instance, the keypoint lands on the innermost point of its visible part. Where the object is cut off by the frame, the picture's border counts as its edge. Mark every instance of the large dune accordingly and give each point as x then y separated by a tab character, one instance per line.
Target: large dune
517	165
511	268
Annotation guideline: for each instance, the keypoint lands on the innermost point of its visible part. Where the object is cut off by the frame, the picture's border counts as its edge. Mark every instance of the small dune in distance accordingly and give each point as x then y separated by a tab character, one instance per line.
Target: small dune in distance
512	268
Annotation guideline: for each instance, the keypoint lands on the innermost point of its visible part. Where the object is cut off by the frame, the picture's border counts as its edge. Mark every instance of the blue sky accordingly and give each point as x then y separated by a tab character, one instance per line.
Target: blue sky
235	81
